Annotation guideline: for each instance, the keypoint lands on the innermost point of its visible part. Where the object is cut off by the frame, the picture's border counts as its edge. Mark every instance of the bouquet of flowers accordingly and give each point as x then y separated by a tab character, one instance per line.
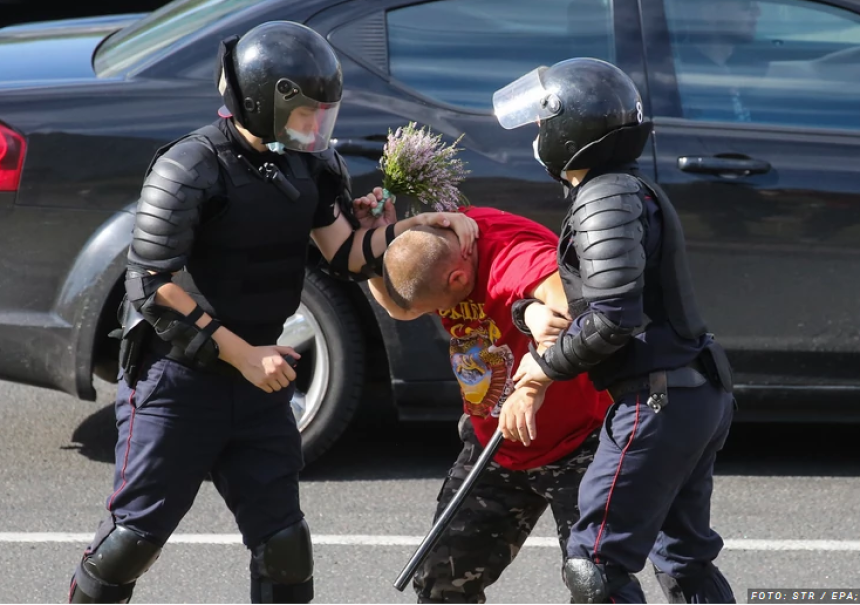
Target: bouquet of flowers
417	164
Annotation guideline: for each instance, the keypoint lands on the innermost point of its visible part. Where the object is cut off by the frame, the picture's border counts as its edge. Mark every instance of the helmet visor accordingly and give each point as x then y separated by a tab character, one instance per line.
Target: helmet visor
524	101
301	123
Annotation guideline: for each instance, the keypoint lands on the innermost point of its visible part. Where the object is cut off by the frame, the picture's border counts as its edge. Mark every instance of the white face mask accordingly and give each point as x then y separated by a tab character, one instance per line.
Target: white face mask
304	139
535	148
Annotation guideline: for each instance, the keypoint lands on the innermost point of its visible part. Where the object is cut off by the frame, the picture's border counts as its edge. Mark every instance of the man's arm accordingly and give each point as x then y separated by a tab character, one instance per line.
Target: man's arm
548	293
551	293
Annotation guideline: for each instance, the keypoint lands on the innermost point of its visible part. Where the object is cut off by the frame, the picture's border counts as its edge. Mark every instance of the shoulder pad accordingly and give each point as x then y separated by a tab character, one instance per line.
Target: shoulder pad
608	236
333	162
608	201
168	211
189	163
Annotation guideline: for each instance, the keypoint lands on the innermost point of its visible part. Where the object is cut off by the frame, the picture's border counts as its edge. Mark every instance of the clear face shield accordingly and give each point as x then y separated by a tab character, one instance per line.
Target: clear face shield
525	101
301	123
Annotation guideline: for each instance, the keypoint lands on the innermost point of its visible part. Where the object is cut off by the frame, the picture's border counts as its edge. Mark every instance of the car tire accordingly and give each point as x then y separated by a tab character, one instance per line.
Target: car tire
330	375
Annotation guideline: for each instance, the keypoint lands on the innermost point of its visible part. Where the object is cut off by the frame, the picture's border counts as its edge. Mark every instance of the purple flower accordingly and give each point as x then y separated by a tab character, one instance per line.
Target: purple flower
417	164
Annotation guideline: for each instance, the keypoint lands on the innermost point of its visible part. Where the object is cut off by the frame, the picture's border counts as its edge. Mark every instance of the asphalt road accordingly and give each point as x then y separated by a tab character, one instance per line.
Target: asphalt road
789	514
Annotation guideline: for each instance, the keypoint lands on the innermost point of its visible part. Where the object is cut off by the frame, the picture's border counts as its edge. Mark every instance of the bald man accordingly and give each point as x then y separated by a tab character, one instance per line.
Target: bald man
545	454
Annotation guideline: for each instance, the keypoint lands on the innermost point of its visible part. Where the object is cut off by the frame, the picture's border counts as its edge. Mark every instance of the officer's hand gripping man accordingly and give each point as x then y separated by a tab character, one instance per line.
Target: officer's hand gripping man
215	268
638	334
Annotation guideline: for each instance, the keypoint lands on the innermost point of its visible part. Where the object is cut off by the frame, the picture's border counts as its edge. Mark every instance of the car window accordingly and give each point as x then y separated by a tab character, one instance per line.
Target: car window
160	29
460	51
788	62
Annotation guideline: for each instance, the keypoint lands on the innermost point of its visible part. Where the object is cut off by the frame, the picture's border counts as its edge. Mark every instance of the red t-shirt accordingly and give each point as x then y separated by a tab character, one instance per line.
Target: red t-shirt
514	255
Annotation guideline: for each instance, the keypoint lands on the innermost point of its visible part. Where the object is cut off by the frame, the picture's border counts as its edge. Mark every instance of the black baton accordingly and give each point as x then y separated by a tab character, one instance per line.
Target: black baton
445	518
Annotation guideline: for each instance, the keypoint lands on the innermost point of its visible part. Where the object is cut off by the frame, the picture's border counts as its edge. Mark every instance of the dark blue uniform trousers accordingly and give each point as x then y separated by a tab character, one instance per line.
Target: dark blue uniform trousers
178	425
648	494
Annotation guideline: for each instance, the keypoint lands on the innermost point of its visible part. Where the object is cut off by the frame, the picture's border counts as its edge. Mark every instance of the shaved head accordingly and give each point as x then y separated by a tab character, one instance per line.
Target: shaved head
418	264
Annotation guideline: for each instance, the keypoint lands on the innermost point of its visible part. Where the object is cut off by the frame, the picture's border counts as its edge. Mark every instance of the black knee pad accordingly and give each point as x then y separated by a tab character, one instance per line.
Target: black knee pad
589	582
108	571
282	568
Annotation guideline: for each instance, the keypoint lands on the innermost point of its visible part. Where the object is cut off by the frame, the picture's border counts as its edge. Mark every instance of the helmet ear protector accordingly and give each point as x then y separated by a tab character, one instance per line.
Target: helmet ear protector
225	80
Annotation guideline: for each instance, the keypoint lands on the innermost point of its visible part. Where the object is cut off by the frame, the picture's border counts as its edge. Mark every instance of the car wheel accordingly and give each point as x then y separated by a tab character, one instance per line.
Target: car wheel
330	375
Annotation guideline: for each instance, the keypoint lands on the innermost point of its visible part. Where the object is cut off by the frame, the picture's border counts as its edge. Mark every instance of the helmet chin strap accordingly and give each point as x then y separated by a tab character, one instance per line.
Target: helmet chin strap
558	177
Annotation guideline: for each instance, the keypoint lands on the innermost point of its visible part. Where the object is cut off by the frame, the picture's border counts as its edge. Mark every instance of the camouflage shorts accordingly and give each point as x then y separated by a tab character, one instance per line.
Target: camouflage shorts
494	521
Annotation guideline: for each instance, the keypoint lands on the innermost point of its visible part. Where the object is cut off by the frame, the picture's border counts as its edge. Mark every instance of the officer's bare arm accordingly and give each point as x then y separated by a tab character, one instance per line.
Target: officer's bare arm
608	241
354	253
168	213
331	240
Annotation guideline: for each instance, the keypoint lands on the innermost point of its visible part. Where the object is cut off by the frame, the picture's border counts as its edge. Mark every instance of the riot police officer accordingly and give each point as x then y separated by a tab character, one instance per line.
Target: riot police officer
216	266
638	334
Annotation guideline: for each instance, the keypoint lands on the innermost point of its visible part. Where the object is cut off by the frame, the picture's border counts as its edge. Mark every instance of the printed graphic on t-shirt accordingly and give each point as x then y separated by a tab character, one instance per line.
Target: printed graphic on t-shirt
482	368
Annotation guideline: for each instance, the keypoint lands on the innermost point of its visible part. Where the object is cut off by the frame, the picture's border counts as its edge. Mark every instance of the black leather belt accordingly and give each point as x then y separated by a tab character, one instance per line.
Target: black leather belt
657	383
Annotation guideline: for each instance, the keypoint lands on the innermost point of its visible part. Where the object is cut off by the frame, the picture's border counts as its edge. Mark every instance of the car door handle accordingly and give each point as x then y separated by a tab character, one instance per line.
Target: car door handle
366	148
729	166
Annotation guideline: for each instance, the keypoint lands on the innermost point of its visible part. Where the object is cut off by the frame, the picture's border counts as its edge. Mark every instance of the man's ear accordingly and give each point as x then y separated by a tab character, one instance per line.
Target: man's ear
458	280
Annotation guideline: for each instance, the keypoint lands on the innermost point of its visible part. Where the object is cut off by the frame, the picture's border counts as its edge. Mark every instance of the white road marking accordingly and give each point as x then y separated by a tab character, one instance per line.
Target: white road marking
381	540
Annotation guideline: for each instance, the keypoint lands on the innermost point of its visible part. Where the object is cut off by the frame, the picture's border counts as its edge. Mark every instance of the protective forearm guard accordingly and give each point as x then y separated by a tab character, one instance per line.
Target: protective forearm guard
195	343
573	354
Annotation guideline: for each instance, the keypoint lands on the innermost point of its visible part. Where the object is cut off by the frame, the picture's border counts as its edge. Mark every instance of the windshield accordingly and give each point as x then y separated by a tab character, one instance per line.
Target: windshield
144	38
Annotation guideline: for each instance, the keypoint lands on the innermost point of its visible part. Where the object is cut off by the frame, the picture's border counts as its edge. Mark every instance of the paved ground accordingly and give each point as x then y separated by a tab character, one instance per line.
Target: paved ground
789	515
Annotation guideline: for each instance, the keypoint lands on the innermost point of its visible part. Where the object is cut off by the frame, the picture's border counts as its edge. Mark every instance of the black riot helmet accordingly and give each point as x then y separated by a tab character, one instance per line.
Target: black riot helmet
588	110
283	83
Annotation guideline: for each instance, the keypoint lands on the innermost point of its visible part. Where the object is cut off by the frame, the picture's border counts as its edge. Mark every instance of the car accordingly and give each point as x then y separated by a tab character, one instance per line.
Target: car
759	156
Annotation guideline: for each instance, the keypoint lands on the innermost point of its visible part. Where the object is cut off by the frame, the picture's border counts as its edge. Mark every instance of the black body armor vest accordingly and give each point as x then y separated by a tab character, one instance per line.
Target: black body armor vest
247	263
672	333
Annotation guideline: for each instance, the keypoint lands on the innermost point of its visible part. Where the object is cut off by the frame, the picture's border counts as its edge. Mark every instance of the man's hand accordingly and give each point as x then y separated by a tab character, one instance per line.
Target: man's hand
517	420
529	372
466	228
544	324
363	206
266	368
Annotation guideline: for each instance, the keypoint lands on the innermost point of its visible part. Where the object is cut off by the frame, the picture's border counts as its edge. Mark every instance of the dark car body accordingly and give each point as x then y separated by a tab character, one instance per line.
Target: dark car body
771	210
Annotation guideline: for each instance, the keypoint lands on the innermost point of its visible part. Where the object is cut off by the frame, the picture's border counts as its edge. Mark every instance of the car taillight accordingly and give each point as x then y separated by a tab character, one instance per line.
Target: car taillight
12	149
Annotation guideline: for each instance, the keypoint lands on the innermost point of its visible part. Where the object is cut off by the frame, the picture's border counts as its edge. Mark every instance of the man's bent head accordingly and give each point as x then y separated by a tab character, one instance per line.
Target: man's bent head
423	270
